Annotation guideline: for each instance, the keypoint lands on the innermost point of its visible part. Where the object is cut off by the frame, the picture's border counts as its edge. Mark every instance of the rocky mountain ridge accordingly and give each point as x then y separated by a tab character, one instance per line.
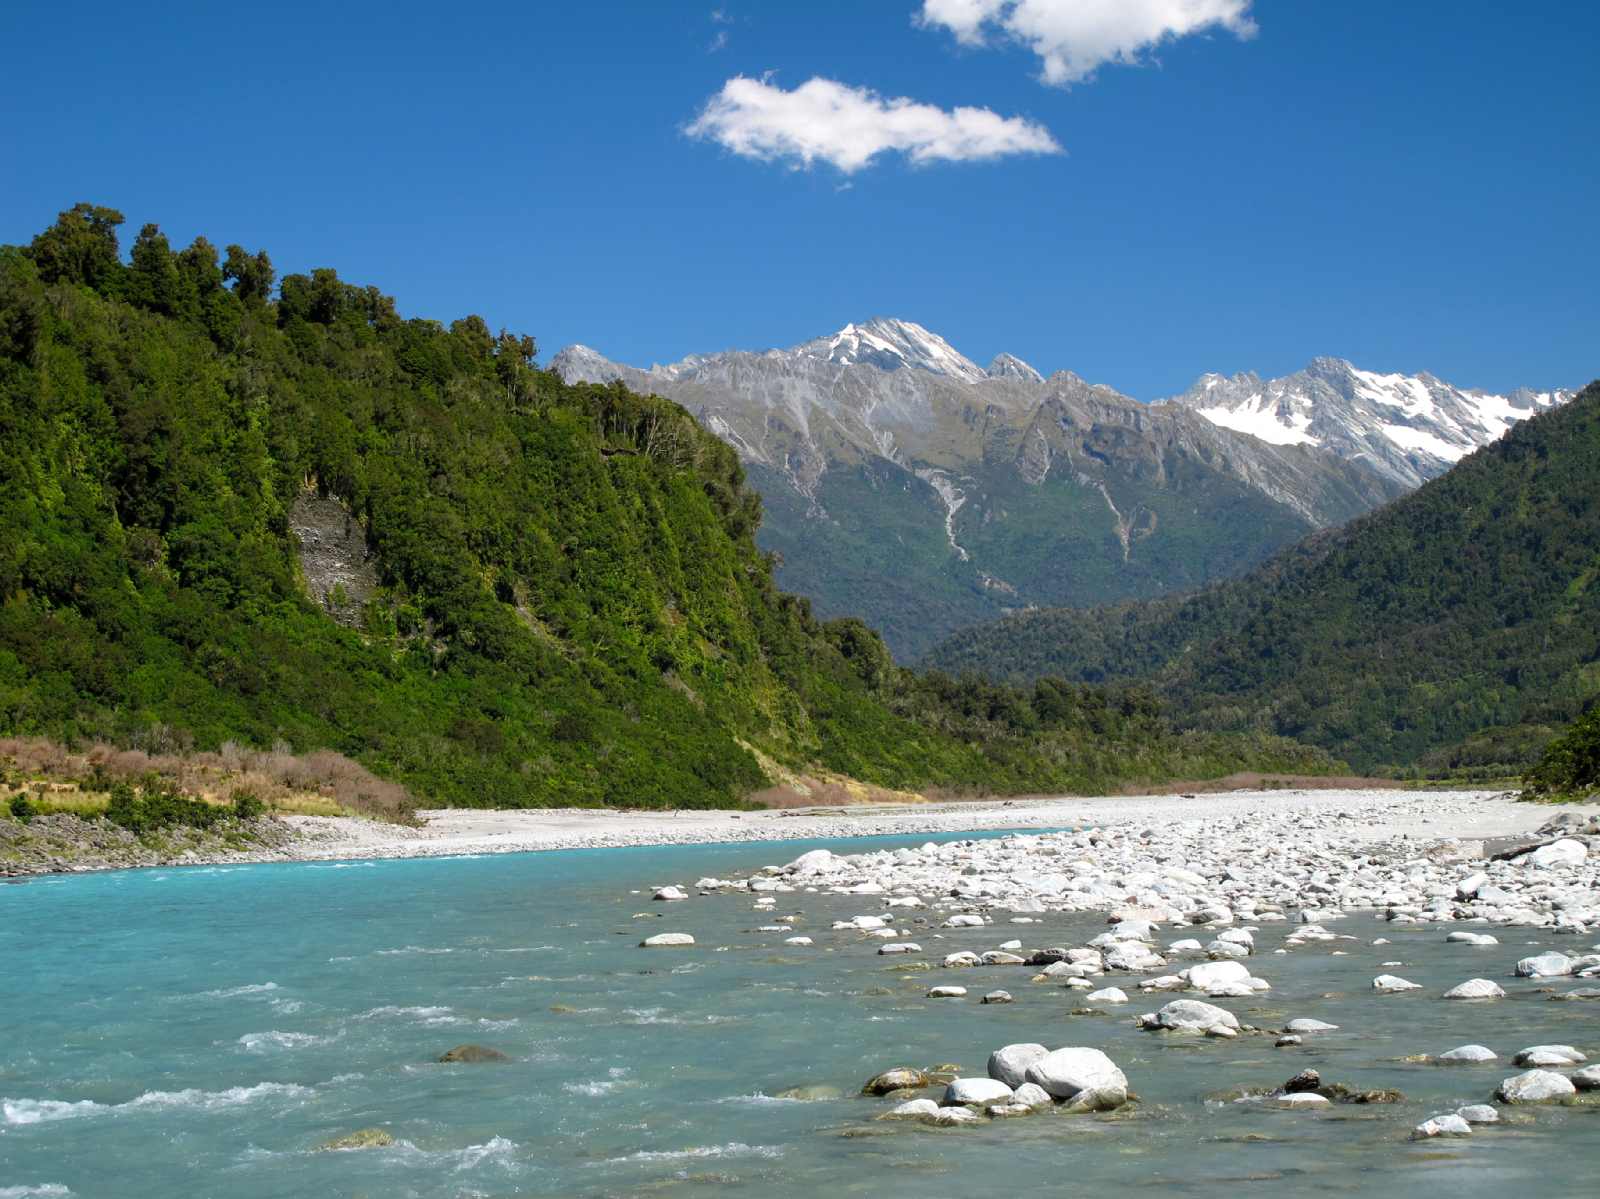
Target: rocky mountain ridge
907	484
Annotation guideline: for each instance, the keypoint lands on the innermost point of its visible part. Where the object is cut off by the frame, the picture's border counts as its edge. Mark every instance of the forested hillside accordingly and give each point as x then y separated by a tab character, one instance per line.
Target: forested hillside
541	594
1458	627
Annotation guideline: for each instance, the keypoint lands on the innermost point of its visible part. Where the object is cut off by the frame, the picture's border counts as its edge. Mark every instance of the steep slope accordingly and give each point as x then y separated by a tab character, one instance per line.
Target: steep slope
1458	625
226	516
1410	428
907	484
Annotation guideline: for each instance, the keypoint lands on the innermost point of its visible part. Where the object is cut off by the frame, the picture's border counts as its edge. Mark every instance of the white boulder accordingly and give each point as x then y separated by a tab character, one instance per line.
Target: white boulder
1535	1086
1083	1077
976	1091
1390	984
666	941
1476	988
1009	1064
1467	1055
1190	1015
1550	1055
1565	852
1450	1125
1545	965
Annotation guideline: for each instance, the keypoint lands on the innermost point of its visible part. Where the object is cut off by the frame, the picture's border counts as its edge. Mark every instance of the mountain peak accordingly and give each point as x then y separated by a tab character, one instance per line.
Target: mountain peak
889	344
1009	366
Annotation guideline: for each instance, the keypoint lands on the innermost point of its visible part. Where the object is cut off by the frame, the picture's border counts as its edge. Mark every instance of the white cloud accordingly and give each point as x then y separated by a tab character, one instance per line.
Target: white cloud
823	120
719	42
1074	37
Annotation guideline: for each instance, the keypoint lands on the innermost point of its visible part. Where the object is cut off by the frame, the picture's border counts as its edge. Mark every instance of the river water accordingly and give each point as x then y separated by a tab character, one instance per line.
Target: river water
201	1031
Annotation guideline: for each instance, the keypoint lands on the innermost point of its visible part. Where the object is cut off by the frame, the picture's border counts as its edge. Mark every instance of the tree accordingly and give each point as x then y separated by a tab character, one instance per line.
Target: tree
154	279
81	247
251	274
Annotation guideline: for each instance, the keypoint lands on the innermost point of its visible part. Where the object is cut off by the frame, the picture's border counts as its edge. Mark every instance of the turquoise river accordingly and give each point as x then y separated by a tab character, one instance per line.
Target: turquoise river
200	1031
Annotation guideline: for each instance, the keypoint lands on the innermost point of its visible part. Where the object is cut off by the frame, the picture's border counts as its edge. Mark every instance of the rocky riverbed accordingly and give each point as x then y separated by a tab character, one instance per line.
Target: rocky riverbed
1185	902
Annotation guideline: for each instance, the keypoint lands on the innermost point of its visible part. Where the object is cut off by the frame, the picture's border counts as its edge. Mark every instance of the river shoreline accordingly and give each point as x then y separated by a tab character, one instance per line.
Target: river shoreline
1387	813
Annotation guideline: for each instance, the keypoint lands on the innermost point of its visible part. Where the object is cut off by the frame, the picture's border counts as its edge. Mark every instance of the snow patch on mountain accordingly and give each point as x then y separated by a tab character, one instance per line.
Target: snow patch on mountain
1260	417
892	344
1409	427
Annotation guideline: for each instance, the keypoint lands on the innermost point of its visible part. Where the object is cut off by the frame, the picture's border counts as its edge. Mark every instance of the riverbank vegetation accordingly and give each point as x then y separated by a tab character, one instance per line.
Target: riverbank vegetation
250	512
1570	766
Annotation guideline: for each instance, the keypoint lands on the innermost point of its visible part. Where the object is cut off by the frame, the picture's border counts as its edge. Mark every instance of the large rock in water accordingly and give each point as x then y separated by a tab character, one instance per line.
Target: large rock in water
1086	1079
1550	1055
666	941
817	861
1545	965
1132	956
1009	1064
977	1092
912	1109
1207	976
1451	1125
901	1078
473	1053
1190	1015
1467	1054
1535	1086
1392	984
1475	988
363	1138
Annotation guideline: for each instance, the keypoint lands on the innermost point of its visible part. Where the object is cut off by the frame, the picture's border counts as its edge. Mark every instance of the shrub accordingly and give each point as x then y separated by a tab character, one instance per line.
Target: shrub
156	806
247	805
22	808
1571	763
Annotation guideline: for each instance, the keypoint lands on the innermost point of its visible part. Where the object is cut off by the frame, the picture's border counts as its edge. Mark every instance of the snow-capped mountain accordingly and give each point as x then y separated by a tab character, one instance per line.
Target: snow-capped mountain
890	344
1409	428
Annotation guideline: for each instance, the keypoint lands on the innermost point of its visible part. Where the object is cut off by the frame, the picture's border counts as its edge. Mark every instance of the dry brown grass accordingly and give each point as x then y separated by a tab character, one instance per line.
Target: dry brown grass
319	783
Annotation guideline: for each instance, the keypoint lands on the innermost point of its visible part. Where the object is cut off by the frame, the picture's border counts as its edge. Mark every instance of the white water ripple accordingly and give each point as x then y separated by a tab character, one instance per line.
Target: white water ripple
731	1149
42	1111
260	1042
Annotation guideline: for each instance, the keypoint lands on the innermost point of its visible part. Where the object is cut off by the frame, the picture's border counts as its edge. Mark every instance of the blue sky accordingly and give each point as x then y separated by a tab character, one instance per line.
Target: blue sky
1407	185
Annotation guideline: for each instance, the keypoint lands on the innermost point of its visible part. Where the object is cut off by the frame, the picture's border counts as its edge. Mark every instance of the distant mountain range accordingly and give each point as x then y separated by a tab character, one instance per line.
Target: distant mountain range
907	484
1410	428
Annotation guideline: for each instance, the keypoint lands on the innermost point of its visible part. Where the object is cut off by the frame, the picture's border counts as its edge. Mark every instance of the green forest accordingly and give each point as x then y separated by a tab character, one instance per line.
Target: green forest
565	605
1453	632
